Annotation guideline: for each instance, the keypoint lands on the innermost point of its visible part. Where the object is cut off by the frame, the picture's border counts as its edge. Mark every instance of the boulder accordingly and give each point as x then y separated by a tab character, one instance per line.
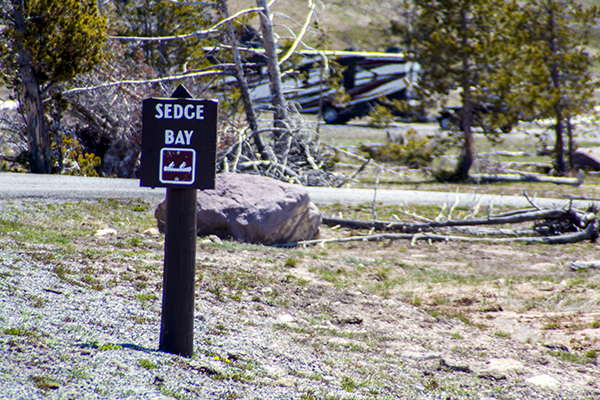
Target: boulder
254	209
587	158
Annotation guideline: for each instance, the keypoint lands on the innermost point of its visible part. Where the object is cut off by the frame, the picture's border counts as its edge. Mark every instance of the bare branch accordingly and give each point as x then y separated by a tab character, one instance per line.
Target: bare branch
456	203
355	173
192	3
359	158
588	234
311	7
530	200
203	33
145	81
411	228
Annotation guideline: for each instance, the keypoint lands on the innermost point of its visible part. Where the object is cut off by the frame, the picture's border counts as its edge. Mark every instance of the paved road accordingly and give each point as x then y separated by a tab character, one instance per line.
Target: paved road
61	187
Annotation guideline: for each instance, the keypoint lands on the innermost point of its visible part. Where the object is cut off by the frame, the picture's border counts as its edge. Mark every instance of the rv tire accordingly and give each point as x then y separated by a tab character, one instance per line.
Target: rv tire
331	115
446	124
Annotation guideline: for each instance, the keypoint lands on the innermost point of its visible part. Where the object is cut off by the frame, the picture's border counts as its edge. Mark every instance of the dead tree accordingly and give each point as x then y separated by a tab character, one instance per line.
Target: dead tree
552	226
241	79
280	116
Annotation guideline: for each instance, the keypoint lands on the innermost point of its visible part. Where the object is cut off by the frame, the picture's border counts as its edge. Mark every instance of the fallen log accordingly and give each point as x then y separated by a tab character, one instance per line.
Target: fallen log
506	154
590	233
581	265
508	218
524	177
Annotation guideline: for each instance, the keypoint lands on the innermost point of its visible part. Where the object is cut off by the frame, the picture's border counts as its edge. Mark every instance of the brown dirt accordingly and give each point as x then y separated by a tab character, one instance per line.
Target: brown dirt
478	305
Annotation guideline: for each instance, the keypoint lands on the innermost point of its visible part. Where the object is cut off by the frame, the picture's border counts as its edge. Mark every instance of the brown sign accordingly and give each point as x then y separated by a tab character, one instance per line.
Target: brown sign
177	166
179	141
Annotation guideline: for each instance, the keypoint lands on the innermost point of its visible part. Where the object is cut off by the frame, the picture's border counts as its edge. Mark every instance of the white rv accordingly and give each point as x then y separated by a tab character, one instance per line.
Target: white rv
366	77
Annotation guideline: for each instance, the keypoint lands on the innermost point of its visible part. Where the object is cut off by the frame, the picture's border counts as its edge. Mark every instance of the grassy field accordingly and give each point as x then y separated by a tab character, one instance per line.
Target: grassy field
522	139
469	302
502	299
461	280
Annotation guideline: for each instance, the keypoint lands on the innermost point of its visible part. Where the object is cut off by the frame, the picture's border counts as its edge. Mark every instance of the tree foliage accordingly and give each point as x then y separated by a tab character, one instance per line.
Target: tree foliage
465	49
511	59
47	42
557	65
63	38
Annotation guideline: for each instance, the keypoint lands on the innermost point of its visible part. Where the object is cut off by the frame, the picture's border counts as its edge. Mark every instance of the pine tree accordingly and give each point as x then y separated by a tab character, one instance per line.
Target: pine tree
465	49
47	42
560	80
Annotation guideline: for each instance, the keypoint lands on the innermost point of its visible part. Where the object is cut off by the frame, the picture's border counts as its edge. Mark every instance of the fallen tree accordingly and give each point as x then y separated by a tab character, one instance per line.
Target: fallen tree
506	218
581	265
590	233
520	176
551	226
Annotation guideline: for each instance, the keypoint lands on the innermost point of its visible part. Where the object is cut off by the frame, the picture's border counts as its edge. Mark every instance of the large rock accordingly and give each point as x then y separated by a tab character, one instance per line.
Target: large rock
254	209
587	158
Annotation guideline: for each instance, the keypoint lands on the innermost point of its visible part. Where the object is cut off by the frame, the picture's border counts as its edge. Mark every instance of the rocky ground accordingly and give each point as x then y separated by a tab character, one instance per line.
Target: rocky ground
80	317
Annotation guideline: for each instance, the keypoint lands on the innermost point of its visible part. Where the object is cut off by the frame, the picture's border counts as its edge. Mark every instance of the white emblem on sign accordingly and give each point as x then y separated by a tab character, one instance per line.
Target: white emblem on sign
177	166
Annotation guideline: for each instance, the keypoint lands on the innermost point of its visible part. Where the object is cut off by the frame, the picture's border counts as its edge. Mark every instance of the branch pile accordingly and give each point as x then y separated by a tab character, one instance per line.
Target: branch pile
296	156
550	226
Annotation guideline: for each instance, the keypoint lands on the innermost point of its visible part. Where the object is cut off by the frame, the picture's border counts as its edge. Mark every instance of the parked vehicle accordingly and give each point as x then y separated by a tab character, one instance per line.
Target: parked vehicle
366	77
451	117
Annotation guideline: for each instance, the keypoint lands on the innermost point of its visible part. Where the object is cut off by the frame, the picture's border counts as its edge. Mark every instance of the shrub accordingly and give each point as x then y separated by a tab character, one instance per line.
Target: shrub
411	150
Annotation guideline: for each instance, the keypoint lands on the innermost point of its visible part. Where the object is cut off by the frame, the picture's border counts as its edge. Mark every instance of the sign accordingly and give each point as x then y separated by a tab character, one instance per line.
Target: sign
179	142
177	166
179	145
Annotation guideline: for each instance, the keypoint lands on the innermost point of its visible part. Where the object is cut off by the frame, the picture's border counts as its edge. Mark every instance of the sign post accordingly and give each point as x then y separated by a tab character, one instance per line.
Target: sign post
179	137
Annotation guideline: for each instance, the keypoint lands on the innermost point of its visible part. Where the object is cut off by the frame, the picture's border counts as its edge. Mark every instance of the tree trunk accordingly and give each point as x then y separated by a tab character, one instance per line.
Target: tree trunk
571	143
559	156
245	92
31	102
467	154
468	151
277	99
559	153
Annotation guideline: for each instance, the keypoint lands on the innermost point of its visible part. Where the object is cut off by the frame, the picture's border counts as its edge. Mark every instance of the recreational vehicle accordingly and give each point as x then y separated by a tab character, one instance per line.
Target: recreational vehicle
316	79
366	77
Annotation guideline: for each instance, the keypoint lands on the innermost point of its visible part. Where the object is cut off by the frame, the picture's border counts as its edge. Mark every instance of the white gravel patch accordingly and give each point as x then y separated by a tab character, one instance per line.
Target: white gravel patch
79	343
61	339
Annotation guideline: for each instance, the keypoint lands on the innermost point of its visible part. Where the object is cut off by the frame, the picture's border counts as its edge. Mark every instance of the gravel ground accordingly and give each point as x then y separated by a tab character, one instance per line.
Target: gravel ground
67	341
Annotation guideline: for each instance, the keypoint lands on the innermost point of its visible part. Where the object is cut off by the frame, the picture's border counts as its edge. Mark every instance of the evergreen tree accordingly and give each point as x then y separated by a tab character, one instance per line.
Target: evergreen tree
559	77
160	18
465	49
47	42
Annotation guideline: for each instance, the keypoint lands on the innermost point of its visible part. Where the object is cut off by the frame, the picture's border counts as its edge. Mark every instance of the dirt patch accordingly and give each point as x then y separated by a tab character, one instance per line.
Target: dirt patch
494	283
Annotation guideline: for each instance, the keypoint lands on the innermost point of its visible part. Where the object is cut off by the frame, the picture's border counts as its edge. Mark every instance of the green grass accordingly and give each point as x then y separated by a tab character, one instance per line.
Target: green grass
18	331
574	357
147	364
45	382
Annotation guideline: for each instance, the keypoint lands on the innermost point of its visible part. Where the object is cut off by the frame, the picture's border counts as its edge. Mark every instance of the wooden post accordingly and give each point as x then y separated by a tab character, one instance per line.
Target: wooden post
177	321
179	282
179	144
